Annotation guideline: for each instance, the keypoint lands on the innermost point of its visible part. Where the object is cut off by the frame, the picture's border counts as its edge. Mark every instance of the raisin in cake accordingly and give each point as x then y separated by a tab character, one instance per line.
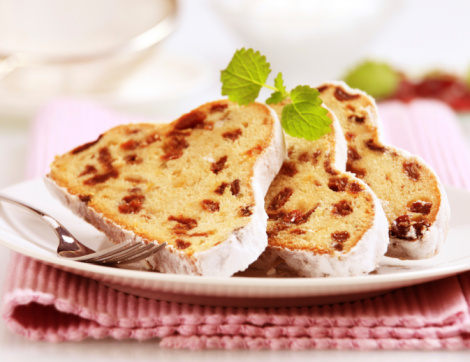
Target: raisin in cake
197	183
412	196
322	220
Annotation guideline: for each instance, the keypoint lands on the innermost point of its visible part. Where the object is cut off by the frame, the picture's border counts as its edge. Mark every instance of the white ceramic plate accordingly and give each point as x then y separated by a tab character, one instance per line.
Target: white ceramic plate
40	243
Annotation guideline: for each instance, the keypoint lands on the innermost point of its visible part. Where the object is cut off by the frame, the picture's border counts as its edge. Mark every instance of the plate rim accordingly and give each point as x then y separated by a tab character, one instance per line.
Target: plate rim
235	281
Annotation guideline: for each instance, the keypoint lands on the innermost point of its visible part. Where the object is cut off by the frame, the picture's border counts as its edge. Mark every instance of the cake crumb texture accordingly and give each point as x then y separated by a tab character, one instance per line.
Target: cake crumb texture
191	183
408	188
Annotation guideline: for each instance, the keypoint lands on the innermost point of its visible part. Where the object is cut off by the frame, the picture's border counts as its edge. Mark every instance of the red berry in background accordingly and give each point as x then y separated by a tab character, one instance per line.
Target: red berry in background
406	91
462	104
382	81
447	88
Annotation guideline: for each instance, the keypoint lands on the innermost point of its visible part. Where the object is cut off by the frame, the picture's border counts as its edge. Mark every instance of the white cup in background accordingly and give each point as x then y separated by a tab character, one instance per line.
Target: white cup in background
308	40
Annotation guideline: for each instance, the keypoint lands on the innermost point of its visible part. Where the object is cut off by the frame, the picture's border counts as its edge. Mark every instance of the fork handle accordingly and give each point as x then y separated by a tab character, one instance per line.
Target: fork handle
52	222
68	242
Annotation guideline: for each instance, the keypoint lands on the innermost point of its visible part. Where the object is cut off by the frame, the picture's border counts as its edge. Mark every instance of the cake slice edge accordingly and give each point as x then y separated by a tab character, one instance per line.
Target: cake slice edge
234	254
435	236
363	258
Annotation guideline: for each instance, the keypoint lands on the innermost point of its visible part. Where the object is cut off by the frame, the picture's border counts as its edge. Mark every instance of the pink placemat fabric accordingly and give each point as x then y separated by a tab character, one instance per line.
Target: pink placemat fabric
43	303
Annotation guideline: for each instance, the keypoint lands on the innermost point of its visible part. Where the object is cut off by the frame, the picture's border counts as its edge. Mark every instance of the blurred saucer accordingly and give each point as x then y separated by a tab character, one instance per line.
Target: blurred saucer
154	84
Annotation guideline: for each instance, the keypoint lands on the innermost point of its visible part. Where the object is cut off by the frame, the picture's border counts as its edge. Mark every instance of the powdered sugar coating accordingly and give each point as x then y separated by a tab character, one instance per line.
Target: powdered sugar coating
236	253
362	258
434	237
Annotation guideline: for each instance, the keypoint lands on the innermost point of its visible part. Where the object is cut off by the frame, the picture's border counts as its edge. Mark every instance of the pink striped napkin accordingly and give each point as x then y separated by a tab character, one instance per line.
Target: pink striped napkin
44	303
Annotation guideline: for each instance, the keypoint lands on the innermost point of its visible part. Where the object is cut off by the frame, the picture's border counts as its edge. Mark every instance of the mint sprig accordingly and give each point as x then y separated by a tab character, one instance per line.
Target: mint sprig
248	72
305	117
245	76
280	94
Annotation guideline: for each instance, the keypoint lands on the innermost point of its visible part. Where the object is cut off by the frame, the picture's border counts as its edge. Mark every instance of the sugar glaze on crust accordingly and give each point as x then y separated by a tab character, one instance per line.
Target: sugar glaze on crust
433	238
246	244
240	249
363	258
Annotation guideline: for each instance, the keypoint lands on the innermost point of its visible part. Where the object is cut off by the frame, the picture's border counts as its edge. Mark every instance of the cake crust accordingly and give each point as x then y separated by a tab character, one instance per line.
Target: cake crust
411	193
211	165
323	221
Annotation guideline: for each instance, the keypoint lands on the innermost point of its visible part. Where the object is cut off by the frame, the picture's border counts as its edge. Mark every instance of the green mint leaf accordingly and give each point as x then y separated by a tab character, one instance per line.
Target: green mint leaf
279	84
281	93
245	75
305	117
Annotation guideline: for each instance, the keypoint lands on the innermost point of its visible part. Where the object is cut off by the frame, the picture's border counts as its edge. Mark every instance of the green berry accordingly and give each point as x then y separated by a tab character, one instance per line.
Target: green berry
377	79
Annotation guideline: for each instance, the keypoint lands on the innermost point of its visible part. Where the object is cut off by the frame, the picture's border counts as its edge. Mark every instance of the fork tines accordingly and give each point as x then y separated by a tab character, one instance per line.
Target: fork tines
125	253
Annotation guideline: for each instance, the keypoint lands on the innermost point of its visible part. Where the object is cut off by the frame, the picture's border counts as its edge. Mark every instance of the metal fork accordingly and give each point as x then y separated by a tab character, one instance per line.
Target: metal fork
70	248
